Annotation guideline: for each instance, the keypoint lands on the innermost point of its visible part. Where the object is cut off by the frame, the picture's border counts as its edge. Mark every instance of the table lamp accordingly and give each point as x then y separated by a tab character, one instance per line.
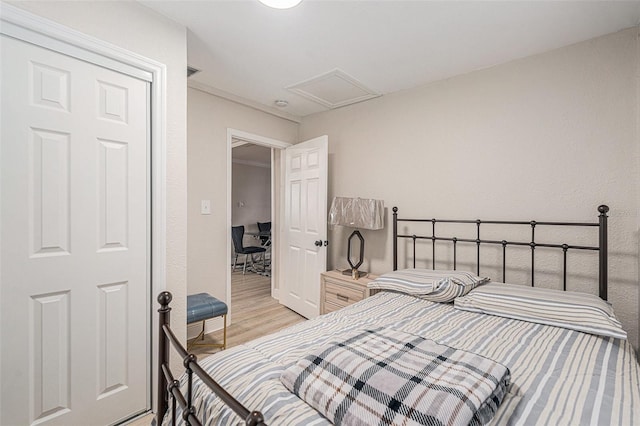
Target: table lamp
359	213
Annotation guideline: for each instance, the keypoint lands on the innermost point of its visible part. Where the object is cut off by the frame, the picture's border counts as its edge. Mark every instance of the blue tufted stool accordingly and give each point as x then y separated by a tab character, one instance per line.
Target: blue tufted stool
201	307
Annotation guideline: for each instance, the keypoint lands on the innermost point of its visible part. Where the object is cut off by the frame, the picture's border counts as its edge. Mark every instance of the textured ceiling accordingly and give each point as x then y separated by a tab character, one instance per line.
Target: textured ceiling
250	51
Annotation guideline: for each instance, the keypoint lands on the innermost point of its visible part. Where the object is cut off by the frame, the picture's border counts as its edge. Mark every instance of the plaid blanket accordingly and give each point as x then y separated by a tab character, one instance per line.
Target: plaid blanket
388	377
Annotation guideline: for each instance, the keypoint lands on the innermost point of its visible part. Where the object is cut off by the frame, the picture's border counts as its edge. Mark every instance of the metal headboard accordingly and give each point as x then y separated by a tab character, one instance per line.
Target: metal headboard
601	248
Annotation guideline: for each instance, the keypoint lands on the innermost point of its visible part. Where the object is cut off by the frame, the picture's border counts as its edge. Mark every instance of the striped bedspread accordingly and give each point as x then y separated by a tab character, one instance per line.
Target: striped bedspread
558	376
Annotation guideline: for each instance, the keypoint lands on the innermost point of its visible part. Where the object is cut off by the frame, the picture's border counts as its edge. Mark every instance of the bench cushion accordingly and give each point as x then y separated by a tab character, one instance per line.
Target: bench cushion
203	306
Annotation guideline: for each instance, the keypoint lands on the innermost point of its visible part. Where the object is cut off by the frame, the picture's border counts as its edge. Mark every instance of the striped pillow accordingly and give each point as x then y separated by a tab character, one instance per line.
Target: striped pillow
576	311
436	286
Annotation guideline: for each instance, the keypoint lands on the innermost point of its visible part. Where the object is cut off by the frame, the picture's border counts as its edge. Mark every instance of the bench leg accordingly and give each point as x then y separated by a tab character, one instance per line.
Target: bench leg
224	333
200	336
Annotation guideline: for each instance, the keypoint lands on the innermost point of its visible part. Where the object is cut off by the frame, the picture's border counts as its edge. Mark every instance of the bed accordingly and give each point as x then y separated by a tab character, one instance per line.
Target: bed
557	375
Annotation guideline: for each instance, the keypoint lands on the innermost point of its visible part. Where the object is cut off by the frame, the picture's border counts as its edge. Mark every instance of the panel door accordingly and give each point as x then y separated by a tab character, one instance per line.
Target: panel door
305	225
74	259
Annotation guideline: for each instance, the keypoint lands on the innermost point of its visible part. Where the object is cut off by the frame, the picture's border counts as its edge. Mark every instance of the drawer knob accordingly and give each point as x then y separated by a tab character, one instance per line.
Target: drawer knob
343	298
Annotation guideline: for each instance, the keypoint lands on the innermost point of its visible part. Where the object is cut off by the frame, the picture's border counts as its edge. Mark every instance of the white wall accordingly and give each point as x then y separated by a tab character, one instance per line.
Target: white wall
149	34
209	117
251	195
550	136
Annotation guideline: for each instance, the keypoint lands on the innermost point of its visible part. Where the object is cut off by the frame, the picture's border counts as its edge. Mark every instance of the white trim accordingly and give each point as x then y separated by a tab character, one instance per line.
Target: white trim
637	41
237	138
235	143
240	137
22	25
227	279
280	253
274	276
251	163
243	101
158	207
25	26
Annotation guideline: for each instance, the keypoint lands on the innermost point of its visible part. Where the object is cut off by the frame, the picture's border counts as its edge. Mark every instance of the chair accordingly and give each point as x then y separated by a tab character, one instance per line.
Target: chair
265	227
201	307
265	241
237	235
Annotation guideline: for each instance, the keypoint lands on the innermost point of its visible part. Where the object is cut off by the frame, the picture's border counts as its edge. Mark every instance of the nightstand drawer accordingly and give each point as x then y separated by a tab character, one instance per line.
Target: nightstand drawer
342	295
330	307
339	291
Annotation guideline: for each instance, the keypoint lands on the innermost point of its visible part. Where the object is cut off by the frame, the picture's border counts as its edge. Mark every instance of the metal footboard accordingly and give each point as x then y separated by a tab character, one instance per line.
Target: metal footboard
169	391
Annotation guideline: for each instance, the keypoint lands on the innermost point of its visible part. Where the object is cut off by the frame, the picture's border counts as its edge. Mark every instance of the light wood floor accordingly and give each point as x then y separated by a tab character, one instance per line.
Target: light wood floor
255	312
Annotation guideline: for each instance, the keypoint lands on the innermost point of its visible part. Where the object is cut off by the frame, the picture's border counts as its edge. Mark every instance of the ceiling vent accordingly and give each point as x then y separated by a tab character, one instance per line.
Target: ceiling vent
191	71
334	89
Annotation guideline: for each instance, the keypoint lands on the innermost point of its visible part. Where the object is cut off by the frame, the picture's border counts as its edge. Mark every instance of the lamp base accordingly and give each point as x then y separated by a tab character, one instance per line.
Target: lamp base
355	274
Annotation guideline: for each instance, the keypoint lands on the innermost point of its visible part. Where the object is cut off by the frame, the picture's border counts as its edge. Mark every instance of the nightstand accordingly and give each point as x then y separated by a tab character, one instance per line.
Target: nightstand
338	291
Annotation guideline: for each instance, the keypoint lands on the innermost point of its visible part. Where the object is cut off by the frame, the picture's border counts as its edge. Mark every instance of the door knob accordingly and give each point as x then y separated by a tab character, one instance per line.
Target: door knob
318	243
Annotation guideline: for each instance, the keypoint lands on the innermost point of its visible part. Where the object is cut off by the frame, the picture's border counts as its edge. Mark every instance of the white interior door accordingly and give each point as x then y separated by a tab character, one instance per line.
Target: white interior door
305	225
74	222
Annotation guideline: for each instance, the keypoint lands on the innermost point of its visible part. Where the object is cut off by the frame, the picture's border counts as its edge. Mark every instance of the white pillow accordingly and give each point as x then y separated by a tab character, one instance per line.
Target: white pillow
434	285
576	311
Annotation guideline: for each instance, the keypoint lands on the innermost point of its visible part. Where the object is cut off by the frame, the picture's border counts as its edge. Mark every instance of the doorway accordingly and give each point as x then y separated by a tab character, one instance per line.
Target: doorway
251	201
261	154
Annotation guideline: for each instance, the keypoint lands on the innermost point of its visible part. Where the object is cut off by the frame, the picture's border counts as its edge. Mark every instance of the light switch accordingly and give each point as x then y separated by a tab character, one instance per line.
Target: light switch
205	207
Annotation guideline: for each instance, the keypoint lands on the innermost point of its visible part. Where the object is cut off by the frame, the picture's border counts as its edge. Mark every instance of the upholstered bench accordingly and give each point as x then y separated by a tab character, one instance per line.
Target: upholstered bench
201	307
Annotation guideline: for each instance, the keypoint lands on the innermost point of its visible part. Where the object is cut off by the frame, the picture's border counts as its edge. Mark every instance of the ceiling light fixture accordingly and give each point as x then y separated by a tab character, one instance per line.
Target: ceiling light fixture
280	4
281	103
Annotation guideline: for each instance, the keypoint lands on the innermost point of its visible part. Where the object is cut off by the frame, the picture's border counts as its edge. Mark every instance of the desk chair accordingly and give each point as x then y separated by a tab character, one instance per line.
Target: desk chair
265	227
265	241
237	235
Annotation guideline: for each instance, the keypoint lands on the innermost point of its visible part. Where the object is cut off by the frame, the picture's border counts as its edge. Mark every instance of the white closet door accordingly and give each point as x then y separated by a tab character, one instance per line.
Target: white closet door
74	269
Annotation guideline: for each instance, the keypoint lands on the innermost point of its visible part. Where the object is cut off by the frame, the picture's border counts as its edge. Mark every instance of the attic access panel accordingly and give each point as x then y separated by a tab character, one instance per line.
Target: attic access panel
333	89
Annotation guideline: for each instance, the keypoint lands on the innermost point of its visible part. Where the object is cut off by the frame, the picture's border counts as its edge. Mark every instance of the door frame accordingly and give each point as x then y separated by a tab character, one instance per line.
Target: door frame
237	138
22	25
